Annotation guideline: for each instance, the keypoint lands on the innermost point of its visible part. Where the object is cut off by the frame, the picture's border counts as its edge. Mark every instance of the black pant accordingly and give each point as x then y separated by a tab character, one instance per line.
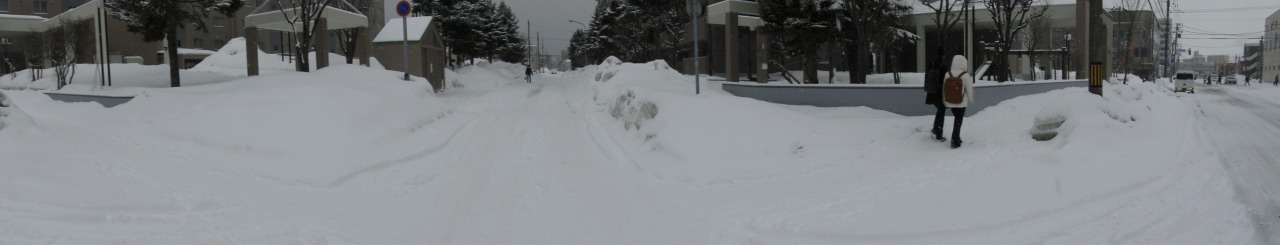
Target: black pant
936	99
955	130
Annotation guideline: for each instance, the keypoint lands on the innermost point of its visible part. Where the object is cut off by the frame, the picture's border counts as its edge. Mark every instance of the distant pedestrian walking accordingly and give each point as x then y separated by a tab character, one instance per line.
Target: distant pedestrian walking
1246	80
528	74
933	93
1277	81
957	94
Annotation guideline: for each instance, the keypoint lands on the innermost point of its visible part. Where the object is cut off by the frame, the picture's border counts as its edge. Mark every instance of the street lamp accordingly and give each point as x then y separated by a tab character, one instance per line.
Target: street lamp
584	26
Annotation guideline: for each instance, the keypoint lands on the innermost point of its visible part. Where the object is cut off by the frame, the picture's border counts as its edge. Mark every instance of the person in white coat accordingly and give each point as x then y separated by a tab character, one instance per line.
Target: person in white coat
960	69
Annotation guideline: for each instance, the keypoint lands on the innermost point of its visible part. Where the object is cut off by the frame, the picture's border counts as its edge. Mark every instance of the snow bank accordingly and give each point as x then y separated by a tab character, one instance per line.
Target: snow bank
11	115
485	74
844	175
230	60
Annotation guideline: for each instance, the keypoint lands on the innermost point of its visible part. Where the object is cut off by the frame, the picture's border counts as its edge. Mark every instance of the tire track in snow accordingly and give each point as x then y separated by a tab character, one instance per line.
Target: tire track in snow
1243	127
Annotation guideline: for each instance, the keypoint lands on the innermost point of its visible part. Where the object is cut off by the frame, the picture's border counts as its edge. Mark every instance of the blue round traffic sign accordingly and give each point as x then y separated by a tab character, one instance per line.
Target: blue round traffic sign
403	8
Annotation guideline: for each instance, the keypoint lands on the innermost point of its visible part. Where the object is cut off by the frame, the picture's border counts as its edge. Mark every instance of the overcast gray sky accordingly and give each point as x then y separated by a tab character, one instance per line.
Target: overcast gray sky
549	17
1243	17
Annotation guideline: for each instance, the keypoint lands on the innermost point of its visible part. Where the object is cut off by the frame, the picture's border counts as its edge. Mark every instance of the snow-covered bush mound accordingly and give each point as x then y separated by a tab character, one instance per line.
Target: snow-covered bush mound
11	115
329	117
608	68
1082	109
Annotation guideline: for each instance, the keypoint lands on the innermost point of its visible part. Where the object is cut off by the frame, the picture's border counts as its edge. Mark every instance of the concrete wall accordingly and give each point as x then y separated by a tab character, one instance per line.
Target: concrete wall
907	100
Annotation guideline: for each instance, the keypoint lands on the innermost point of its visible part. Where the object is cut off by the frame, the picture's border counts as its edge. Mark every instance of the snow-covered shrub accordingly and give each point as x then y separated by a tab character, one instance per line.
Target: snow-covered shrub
1122	104
10	115
608	69
632	111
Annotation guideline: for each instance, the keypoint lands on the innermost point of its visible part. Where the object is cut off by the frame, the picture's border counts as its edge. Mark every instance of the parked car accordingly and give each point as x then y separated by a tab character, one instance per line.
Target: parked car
1230	80
1184	81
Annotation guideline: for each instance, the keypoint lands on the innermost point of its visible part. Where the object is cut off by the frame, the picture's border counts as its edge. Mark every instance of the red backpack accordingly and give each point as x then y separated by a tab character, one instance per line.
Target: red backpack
953	89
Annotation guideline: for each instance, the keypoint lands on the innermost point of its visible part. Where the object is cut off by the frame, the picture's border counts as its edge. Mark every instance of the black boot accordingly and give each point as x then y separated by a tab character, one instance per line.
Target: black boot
955	130
937	135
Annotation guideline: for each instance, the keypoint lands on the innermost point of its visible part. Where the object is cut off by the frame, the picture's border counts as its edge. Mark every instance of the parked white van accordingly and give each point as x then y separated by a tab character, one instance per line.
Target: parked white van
1184	81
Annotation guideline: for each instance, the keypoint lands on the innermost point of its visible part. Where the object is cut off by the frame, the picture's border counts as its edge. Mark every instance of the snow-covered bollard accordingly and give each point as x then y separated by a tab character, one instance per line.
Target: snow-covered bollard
10	114
1047	124
1068	110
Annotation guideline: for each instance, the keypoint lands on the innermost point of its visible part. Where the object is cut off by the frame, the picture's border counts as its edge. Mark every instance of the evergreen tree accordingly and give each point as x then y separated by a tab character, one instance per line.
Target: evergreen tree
157	19
803	25
578	48
510	47
476	28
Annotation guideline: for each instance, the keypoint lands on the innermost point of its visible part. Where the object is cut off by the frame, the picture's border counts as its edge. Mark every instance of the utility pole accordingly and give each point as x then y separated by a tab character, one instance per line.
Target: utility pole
528	40
1173	63
539	53
1168	37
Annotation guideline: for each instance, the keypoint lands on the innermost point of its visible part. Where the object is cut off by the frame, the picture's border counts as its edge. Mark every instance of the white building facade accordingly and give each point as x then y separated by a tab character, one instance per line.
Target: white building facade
1271	49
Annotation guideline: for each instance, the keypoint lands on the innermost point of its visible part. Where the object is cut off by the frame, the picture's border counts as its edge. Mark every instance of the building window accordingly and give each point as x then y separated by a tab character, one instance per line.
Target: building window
4	5
219	43
40	7
198	43
218	22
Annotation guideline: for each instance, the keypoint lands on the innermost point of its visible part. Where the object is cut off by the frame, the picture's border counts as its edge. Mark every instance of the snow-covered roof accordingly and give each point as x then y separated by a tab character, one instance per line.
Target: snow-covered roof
23	23
270	16
393	32
188	51
28	23
19	16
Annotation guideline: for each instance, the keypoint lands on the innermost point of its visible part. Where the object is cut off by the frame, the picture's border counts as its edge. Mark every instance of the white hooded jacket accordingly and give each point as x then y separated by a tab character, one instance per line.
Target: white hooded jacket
961	65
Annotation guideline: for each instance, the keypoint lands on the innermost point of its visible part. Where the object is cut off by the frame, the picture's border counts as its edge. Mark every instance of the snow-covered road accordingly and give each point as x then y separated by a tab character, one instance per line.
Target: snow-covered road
352	155
1240	124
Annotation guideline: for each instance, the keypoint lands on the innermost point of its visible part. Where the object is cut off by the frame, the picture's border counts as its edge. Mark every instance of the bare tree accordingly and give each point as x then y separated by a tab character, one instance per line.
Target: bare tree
62	50
1010	17
349	38
37	53
1128	11
946	14
1033	38
869	26
302	14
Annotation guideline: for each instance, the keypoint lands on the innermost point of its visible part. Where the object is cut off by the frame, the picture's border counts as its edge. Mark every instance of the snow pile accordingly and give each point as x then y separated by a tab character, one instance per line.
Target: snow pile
485	74
123	76
11	115
230	60
1087	110
844	175
608	68
329	118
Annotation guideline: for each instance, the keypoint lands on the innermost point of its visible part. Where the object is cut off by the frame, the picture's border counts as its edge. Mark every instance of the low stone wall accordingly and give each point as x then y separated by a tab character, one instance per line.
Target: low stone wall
106	100
907	100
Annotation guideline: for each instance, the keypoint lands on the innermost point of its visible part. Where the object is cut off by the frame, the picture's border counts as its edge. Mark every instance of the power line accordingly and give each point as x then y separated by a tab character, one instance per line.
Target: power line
1233	9
1217	38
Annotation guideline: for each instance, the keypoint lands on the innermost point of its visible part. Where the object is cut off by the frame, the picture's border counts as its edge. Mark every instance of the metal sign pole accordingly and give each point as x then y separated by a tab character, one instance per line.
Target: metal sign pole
694	11
403	8
405	23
